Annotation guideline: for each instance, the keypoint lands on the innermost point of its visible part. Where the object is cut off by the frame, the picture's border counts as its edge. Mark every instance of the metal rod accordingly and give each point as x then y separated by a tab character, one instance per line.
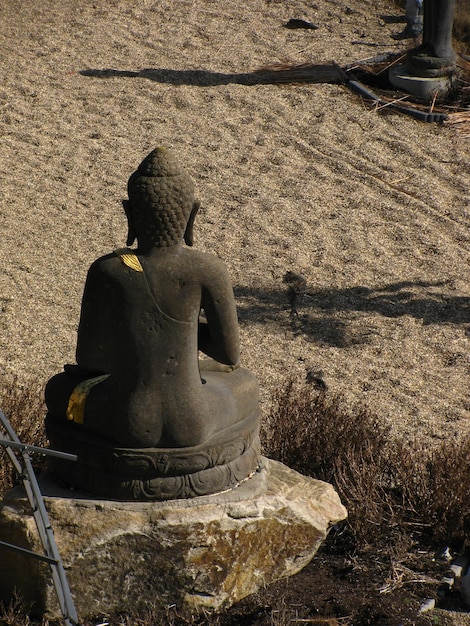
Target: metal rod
424	116
34	555
46	451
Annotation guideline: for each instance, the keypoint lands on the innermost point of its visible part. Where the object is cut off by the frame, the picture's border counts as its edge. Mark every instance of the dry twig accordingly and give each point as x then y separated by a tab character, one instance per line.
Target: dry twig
402	575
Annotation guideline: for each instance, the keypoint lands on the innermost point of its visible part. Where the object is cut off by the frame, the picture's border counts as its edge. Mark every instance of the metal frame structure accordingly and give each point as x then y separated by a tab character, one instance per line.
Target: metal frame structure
18	453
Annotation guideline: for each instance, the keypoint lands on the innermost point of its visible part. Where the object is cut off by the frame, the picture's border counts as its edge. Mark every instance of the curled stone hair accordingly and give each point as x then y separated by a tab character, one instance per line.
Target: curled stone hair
161	197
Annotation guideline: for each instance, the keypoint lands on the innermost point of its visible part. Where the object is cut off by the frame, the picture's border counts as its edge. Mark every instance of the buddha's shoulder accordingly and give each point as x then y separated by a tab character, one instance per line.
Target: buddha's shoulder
191	261
208	271
204	258
203	263
107	264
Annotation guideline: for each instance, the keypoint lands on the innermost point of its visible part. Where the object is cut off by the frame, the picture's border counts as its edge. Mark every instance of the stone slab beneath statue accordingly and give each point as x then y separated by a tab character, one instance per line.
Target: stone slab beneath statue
207	552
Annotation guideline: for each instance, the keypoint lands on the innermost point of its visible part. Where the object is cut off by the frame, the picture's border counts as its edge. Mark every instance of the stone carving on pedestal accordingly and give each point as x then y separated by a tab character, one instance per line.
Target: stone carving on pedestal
147	418
429	67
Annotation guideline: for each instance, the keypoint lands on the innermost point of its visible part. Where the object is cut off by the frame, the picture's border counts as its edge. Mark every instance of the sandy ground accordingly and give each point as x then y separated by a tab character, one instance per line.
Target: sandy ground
373	209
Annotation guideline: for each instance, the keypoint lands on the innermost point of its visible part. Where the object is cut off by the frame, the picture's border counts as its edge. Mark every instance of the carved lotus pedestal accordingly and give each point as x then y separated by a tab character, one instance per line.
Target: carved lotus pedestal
205	552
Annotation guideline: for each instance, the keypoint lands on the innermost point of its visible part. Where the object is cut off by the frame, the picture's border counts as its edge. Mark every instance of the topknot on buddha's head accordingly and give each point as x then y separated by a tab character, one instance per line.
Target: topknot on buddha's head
161	197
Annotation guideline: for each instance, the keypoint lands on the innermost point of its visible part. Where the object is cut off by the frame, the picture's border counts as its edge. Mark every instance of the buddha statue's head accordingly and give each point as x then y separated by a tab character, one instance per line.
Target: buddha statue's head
161	206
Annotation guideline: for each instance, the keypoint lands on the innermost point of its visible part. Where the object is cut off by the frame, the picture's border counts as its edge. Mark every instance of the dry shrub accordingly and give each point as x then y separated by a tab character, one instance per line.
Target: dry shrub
388	485
15	614
23	405
158	617
432	487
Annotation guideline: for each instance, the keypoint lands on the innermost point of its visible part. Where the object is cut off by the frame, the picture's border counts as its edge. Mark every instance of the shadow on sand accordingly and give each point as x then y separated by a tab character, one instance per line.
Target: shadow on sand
200	78
316	316
277	73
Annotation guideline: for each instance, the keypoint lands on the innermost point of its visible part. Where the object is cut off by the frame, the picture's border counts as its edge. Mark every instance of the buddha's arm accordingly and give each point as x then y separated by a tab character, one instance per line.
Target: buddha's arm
219	337
98	339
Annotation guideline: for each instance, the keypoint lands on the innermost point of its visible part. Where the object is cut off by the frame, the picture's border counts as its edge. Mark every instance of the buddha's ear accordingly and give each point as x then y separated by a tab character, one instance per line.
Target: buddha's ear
130	224
188	233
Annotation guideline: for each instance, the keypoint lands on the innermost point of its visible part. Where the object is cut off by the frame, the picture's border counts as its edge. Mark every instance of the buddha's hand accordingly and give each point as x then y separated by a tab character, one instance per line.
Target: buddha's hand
209	365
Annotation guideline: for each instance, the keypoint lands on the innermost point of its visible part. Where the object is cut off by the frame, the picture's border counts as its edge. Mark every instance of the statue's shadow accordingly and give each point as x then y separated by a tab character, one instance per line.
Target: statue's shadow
332	316
201	78
274	74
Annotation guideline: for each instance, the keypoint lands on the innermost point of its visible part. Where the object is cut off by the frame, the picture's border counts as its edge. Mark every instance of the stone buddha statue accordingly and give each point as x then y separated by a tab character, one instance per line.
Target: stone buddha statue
149	419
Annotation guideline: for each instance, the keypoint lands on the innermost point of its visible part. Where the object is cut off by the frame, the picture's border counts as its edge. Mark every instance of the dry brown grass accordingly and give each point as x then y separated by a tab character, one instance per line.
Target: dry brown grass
390	486
14	615
22	404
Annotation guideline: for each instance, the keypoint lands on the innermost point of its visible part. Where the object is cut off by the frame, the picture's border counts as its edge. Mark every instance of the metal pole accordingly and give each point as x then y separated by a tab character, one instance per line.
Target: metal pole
46	534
